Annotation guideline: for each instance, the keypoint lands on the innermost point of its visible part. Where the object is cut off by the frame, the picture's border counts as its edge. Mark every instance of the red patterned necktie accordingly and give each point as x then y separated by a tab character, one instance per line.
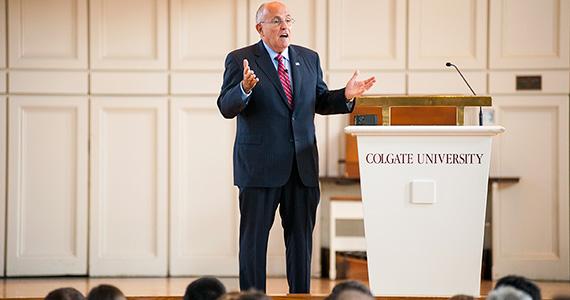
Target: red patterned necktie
284	78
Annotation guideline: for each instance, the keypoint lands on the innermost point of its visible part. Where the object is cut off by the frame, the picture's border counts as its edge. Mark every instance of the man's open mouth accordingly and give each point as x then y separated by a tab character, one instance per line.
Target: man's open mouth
285	35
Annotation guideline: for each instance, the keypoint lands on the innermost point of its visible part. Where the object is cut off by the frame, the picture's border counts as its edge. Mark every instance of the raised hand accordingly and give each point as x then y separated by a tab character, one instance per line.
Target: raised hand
249	79
355	88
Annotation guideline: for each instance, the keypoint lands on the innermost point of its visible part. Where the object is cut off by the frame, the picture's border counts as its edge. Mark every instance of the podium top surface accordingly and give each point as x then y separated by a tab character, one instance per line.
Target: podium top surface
424	100
424	130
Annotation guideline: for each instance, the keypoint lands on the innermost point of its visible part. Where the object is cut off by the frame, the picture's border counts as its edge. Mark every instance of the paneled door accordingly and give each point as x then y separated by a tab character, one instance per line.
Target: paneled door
204	213
530	218
128	191
47	186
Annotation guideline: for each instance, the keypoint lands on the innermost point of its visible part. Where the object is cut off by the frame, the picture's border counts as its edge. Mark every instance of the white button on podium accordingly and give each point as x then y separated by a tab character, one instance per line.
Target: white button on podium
424	193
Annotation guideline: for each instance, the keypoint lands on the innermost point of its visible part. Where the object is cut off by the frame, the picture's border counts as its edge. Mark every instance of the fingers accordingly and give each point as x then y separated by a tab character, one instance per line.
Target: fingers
356	73
368	83
245	67
357	88
249	78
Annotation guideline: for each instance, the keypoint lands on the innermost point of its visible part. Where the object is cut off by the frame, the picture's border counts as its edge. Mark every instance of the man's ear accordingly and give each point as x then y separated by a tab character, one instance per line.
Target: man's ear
259	29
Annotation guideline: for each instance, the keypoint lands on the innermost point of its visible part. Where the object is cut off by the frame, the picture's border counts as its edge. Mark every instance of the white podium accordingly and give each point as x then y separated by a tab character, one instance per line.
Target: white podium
424	193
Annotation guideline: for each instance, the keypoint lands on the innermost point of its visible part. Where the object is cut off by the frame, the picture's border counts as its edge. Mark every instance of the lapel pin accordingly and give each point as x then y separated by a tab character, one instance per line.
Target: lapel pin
297	64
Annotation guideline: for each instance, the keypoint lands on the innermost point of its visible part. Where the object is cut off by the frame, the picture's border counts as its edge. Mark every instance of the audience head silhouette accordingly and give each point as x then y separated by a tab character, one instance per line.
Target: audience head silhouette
205	288
520	283
67	293
508	293
105	292
351	289
251	294
462	297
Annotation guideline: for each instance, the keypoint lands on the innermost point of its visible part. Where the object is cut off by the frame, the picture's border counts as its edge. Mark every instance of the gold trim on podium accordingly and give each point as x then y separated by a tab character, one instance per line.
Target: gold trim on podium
386	102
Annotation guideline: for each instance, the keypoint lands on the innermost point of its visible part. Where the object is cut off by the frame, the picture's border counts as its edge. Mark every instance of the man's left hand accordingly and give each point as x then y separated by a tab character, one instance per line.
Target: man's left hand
355	88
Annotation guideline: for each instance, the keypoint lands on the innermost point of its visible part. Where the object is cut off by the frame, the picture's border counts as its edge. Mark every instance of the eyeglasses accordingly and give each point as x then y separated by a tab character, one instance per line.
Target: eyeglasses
277	22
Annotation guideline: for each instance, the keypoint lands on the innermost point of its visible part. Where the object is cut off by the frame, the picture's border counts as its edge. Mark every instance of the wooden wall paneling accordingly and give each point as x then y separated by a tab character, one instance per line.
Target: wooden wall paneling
530	218
129	83
529	34
128	193
47	34
48	82
127	38
387	82
47	186
3	34
335	144
204	213
447	30
367	34
551	82
447	82
196	83
3	82
203	32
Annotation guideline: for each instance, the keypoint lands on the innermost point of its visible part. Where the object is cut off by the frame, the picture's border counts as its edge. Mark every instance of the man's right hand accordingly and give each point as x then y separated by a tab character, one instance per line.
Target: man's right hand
249	79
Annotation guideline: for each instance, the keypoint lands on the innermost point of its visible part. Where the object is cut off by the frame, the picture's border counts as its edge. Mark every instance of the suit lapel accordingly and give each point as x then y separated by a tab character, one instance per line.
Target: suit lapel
295	62
266	65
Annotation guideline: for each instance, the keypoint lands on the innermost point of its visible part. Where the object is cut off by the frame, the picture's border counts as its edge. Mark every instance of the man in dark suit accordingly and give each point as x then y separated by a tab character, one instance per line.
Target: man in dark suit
275	89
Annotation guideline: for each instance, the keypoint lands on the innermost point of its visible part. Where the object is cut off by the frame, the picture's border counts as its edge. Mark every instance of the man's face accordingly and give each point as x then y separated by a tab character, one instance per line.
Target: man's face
274	30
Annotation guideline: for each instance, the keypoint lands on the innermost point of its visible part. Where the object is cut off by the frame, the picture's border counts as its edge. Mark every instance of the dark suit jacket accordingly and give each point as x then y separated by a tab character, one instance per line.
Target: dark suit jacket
269	134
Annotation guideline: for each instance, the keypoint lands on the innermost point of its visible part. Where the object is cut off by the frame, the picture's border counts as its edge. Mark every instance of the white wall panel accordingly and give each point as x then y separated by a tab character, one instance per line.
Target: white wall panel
386	82
123	37
530	218
276	264
129	83
2	34
129	197
201	83
3	173
320	27
336	144
47	186
321	127
447	30
529	34
193	25
202	190
367	34
48	82
3	79
553	82
48	34
447	82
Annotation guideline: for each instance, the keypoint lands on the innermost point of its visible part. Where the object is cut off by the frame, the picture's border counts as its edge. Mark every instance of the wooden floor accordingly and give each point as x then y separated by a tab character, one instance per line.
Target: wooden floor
173	288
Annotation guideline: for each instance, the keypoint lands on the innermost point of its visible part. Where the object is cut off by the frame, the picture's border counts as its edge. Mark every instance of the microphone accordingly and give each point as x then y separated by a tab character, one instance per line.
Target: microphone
448	64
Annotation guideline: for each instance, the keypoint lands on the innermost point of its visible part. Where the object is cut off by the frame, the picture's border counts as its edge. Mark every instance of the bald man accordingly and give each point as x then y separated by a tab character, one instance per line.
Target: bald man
274	89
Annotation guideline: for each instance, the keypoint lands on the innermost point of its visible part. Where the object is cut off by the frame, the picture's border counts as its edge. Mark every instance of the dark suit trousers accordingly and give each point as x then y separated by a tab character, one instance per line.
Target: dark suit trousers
297	207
